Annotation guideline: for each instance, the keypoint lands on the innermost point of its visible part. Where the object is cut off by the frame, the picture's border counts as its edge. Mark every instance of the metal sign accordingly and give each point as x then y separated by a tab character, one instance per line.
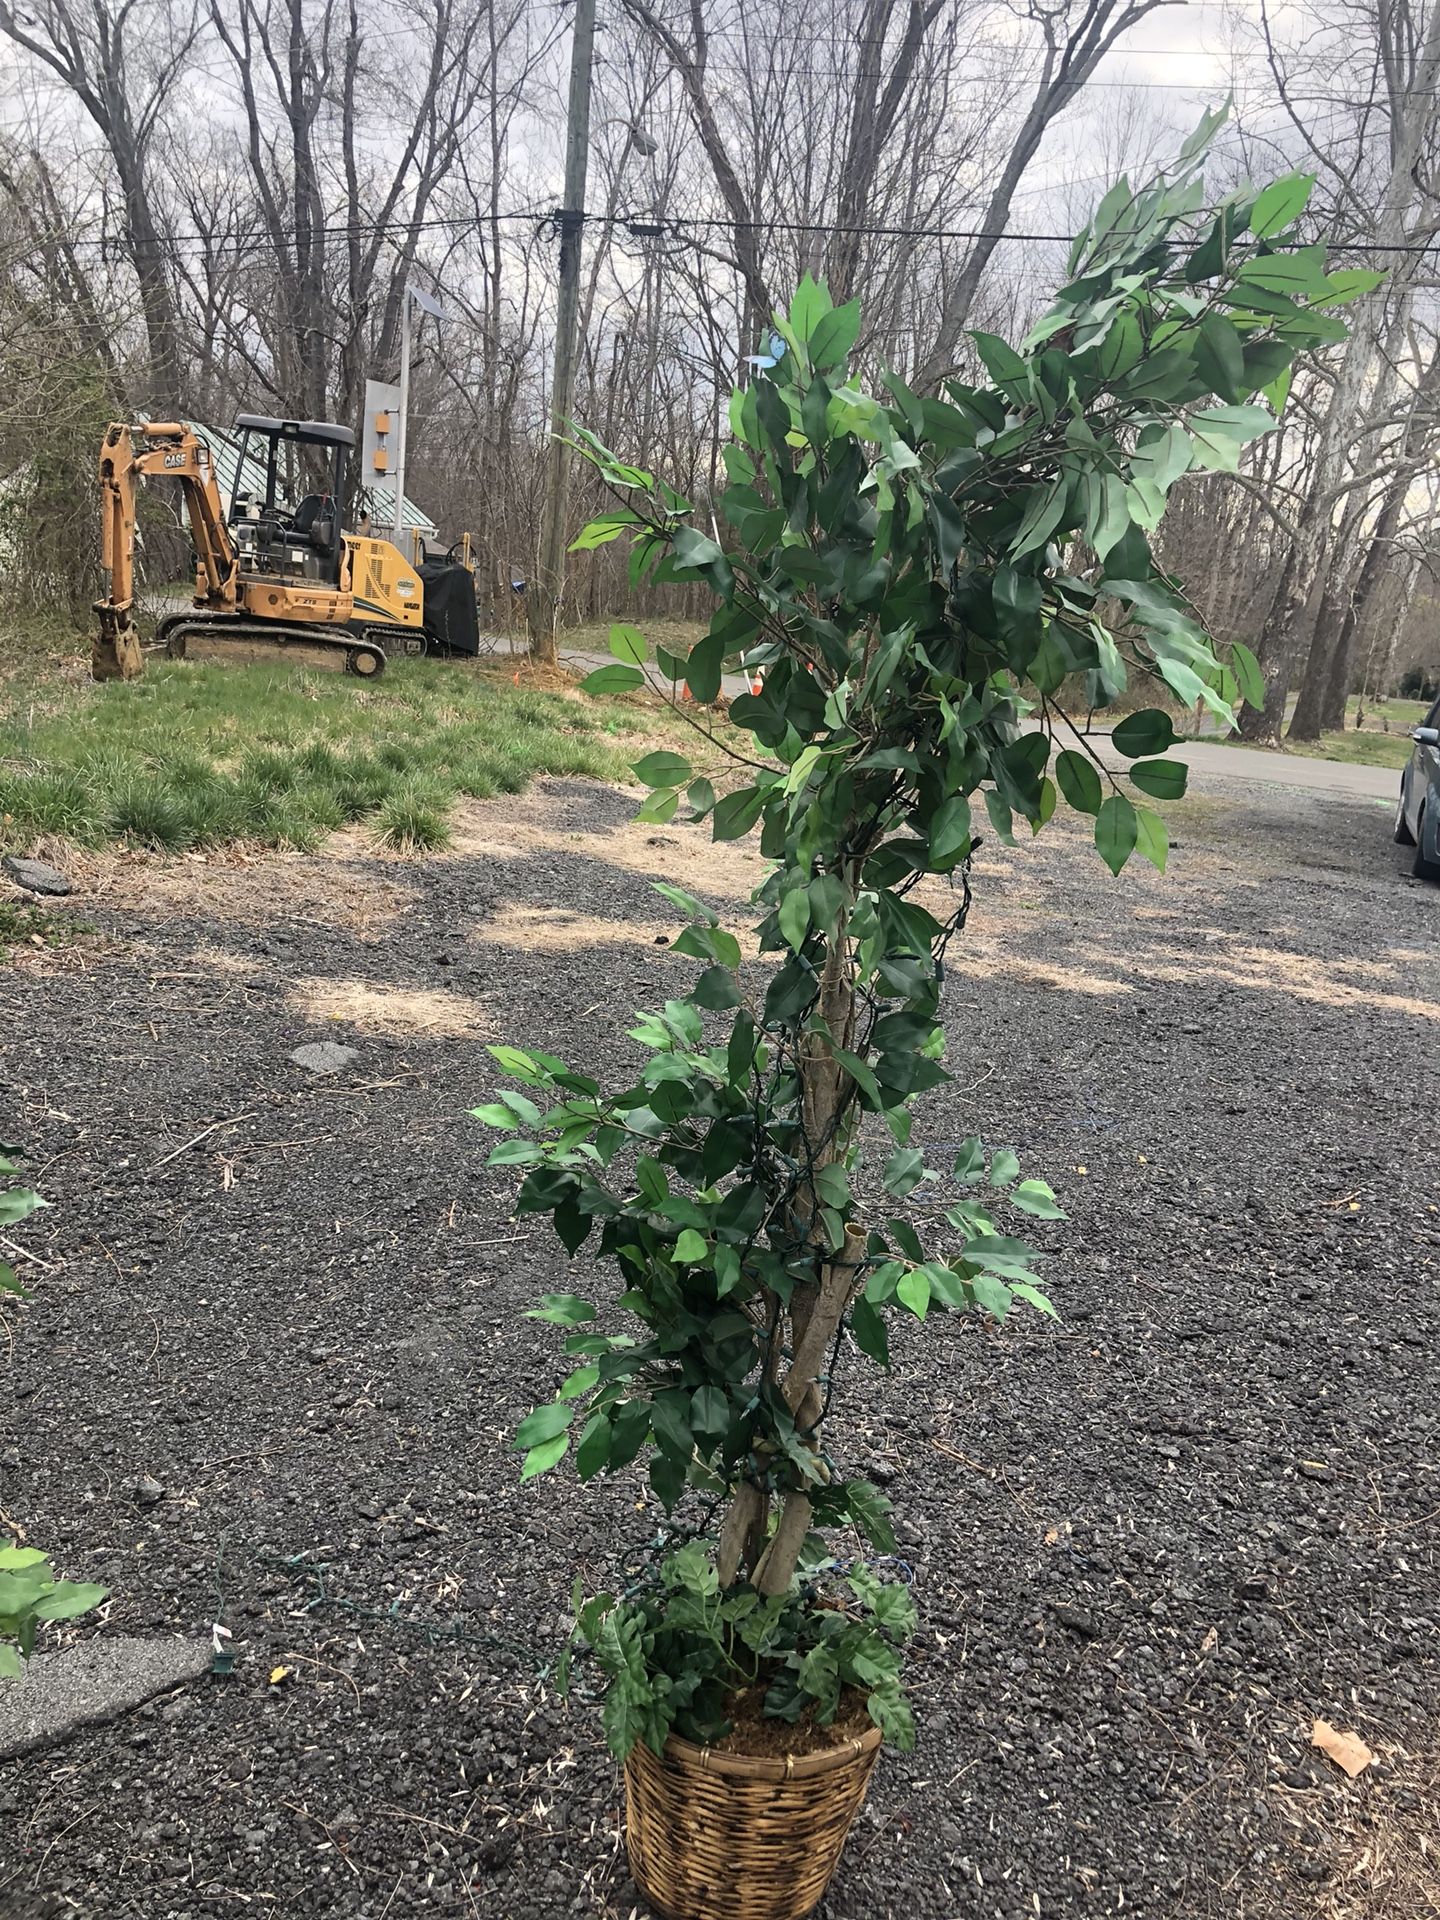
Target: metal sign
380	438
426	302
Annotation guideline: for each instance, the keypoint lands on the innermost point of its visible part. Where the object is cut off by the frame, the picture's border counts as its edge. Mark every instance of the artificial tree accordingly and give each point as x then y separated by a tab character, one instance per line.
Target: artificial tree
925	583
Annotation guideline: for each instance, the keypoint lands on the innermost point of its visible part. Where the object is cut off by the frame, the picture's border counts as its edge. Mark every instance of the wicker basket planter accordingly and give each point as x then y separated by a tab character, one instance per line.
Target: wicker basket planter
722	1836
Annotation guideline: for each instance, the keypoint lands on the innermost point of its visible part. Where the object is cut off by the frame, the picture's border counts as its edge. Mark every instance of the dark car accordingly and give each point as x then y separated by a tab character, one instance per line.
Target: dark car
1417	818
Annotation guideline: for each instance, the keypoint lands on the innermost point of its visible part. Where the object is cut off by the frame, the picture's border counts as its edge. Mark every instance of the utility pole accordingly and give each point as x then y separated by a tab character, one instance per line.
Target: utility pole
402	426
543	599
414	297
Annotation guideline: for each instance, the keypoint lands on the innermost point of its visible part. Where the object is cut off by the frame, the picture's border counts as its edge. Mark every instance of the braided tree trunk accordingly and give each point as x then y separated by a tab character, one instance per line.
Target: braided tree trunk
807	1329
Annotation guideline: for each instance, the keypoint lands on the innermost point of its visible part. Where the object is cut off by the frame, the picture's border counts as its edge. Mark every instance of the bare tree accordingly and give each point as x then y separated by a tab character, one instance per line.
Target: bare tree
1074	47
1400	216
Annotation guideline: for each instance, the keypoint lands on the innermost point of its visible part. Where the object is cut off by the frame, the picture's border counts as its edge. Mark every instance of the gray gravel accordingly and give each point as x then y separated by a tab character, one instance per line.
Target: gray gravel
1150	1542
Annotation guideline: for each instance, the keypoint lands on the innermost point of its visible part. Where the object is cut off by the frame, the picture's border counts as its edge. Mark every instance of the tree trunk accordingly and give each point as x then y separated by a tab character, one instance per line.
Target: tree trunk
1378	555
1264	724
817	1307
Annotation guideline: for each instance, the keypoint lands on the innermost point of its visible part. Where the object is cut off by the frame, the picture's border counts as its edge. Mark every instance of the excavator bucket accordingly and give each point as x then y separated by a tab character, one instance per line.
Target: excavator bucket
115	652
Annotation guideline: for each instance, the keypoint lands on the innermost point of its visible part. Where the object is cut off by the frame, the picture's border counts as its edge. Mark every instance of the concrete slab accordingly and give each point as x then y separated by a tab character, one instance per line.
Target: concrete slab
90	1683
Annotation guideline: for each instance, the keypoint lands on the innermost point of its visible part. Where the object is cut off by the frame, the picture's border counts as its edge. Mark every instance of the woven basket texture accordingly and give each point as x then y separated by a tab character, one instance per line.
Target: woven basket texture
719	1836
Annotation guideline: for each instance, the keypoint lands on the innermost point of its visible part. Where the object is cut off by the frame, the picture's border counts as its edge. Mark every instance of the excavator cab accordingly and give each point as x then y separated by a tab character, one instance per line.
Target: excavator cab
275	568
285	510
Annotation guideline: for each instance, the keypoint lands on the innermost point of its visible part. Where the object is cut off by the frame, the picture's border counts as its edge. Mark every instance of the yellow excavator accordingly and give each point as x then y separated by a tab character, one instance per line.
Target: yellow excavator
276	570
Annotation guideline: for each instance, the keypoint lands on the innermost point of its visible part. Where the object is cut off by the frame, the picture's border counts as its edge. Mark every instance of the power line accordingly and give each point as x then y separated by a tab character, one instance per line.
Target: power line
660	226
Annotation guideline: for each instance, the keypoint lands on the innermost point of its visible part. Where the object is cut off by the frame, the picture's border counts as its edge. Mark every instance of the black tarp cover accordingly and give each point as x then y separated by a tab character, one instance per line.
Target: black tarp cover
452	624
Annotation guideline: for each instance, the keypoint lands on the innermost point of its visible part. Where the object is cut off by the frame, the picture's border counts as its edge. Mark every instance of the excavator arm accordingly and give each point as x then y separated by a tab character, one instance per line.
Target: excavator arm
171	449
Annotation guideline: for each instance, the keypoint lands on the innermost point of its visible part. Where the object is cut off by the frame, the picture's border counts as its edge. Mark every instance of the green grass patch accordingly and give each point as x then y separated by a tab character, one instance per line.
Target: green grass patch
195	755
415	818
23	924
1387	716
1364	749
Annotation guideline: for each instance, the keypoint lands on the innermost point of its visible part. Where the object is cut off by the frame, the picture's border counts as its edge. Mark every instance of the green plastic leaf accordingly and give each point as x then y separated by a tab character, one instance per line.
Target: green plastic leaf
794	917
727	1269
1004	1167
1152	838
1162	455
495	1116
1247	671
687	903
612	680
1023	1290
913	1291
1001	362
1353	284
904	1171
69	1600
629	645
1280	205
516	1153
690	548
1220	358
950	833
1115	831
862	1075
870	1511
867	1323
1220	434
1079	782
736	813
1042	516
970	1161
1146	732
1109	521
835	334
1163	779
709	1412
1001	815
660	805
663	770
703	668
543	1424
608	527
808	305
991	1293
579	1382
541	1458
691	1248
592	1451
562	1310
716	989
1036	1197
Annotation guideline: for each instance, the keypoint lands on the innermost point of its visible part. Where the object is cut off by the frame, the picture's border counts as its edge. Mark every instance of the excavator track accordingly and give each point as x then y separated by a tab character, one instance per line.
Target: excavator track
359	653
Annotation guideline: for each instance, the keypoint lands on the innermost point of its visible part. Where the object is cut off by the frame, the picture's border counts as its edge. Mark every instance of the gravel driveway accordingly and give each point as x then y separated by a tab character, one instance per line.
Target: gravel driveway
279	1314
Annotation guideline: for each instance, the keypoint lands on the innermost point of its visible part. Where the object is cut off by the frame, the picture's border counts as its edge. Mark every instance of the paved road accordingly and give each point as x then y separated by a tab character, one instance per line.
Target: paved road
1208	761
1205	759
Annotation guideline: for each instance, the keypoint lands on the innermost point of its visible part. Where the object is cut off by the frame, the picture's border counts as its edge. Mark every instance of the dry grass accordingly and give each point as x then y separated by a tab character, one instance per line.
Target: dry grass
251	887
380	1007
684	854
1374	1840
559	930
